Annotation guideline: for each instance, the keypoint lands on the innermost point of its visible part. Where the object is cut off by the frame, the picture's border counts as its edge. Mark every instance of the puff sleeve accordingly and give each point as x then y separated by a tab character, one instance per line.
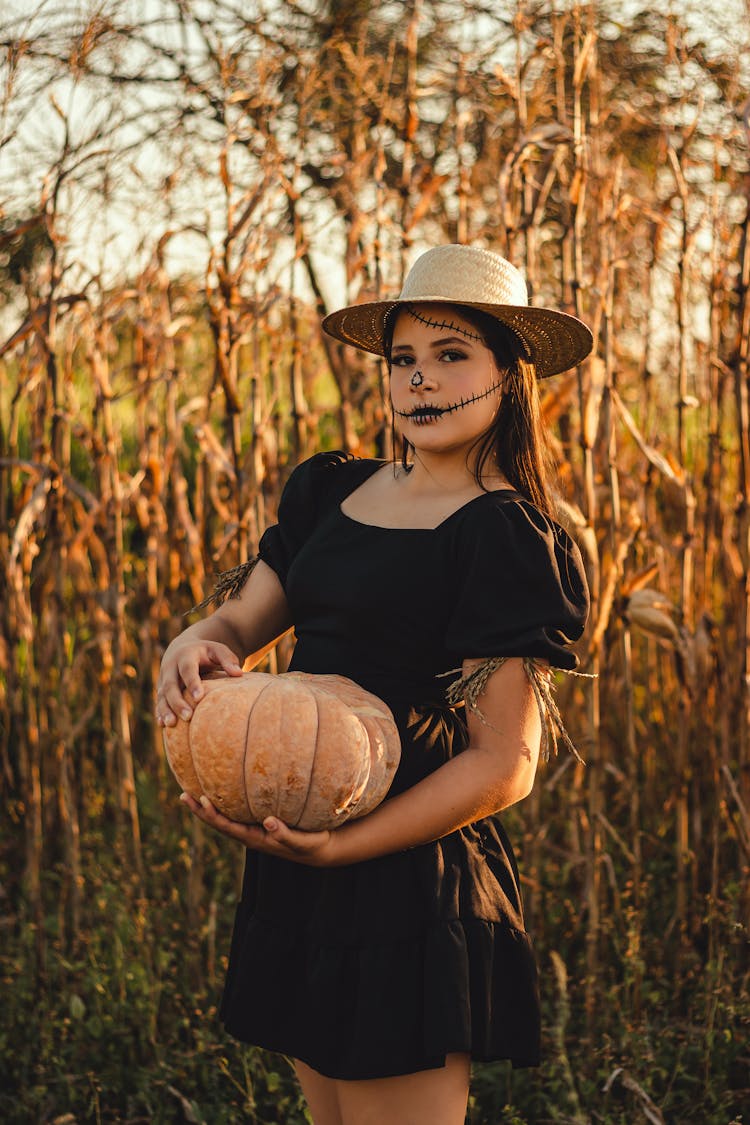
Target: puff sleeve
302	503
520	582
521	592
303	499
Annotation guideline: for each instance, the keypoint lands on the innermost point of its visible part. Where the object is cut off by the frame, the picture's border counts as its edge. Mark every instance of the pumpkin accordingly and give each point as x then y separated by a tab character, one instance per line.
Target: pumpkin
313	750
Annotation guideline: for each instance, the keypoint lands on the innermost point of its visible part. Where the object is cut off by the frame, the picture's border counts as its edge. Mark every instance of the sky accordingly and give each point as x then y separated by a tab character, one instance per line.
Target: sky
108	226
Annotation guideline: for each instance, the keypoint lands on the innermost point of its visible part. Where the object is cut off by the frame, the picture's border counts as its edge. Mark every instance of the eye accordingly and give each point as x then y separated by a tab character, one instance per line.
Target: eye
451	355
402	361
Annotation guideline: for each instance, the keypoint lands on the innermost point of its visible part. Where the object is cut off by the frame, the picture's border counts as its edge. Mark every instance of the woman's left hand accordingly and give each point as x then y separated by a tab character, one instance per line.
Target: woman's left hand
273	836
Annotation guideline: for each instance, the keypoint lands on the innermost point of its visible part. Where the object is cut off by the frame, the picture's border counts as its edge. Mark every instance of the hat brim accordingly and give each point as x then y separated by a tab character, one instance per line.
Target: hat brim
555	341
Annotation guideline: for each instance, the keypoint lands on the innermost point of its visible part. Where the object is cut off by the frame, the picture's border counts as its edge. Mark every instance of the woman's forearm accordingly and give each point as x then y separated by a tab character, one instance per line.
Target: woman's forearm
471	786
220	631
465	789
212	628
495	771
242	629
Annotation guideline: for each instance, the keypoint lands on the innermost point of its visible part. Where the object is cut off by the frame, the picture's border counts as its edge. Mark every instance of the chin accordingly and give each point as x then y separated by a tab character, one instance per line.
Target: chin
433	442
434	436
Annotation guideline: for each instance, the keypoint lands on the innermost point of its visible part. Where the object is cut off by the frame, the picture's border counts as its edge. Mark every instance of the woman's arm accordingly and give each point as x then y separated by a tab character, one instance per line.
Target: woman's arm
242	629
496	770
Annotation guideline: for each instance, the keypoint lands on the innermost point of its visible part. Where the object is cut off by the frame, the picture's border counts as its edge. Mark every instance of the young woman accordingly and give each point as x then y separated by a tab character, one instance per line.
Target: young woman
384	956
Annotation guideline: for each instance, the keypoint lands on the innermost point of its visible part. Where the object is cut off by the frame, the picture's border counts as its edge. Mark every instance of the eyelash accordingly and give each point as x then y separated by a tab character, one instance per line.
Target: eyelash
450	354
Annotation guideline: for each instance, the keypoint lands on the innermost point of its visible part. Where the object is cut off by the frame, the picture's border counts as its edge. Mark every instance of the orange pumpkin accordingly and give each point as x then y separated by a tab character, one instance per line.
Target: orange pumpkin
312	750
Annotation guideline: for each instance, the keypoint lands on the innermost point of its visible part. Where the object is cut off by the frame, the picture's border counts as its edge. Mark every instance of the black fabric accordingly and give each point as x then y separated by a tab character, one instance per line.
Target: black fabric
384	967
521	588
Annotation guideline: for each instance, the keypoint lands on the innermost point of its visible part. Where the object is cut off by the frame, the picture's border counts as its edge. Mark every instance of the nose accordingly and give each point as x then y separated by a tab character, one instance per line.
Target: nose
421	380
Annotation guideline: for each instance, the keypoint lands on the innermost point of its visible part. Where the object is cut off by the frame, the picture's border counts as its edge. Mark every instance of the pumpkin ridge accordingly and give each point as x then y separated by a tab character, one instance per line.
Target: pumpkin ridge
341	807
253	705
350	748
316	757
309	689
314	754
363	777
371	794
210	750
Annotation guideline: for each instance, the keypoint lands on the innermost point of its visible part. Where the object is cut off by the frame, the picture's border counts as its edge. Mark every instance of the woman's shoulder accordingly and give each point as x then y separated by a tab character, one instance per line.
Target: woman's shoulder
327	461
520	581
330	464
506	511
312	489
324	474
504	533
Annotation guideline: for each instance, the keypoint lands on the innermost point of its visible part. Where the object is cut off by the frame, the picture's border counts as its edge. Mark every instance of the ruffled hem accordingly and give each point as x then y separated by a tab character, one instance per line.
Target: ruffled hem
389	1008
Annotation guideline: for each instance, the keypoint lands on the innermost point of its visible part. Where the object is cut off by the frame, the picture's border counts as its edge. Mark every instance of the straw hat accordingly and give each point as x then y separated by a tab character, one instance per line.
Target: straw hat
478	279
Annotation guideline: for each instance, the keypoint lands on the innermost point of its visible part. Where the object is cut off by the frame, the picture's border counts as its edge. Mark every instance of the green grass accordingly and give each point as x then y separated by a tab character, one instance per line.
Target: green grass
118	1023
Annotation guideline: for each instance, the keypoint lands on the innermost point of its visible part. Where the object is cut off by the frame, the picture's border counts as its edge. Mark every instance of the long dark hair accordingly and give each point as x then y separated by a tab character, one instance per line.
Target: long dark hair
516	442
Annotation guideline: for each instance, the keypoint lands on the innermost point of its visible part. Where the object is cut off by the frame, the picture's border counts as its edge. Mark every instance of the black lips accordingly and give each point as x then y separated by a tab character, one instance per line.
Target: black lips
426	412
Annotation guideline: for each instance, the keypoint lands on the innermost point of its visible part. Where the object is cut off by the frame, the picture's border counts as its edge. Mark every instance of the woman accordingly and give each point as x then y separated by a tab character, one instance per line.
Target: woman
384	956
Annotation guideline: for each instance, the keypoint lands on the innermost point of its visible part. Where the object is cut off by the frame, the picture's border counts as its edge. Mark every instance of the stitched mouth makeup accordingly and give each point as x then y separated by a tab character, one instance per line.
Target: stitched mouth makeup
425	413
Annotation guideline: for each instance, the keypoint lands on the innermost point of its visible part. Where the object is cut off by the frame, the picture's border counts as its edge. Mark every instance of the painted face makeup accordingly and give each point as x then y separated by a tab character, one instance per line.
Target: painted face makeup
424	414
447	325
453	367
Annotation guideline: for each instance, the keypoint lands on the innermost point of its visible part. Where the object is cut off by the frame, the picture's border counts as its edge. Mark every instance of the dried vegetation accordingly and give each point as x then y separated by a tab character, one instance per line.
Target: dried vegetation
261	165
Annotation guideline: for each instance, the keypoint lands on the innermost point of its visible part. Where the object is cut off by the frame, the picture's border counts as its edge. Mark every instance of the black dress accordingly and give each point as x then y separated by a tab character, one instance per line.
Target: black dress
383	967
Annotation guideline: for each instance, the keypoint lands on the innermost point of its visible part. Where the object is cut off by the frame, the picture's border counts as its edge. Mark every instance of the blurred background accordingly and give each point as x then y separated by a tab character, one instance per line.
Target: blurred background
186	186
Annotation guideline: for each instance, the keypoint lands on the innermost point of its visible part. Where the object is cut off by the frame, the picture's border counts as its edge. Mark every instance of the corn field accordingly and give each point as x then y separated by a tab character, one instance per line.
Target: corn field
186	187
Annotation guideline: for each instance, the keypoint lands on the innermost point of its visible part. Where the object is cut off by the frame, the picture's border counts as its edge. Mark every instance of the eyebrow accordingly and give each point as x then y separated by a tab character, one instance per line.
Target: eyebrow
435	344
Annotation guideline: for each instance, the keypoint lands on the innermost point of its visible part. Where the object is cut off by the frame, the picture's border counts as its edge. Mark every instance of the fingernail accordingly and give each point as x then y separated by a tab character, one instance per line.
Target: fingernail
197	693
204	800
184	797
169	720
270	824
185	714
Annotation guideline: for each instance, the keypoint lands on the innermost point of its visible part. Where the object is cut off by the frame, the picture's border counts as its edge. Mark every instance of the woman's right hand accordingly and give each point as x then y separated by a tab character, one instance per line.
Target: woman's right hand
249	624
180	685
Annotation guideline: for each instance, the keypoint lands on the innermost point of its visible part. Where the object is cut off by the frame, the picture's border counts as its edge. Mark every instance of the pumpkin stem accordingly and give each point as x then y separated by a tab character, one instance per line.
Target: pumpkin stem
229	584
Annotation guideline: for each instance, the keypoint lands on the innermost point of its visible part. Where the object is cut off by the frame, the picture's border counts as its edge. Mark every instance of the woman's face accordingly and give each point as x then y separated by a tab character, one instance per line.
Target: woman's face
445	383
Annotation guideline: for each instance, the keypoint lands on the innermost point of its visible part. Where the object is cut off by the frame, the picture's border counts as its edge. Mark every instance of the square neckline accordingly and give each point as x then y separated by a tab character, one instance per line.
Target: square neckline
430	530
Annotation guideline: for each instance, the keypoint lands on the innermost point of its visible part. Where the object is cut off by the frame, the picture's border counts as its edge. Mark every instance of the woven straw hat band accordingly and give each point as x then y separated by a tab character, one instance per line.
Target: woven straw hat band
474	278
